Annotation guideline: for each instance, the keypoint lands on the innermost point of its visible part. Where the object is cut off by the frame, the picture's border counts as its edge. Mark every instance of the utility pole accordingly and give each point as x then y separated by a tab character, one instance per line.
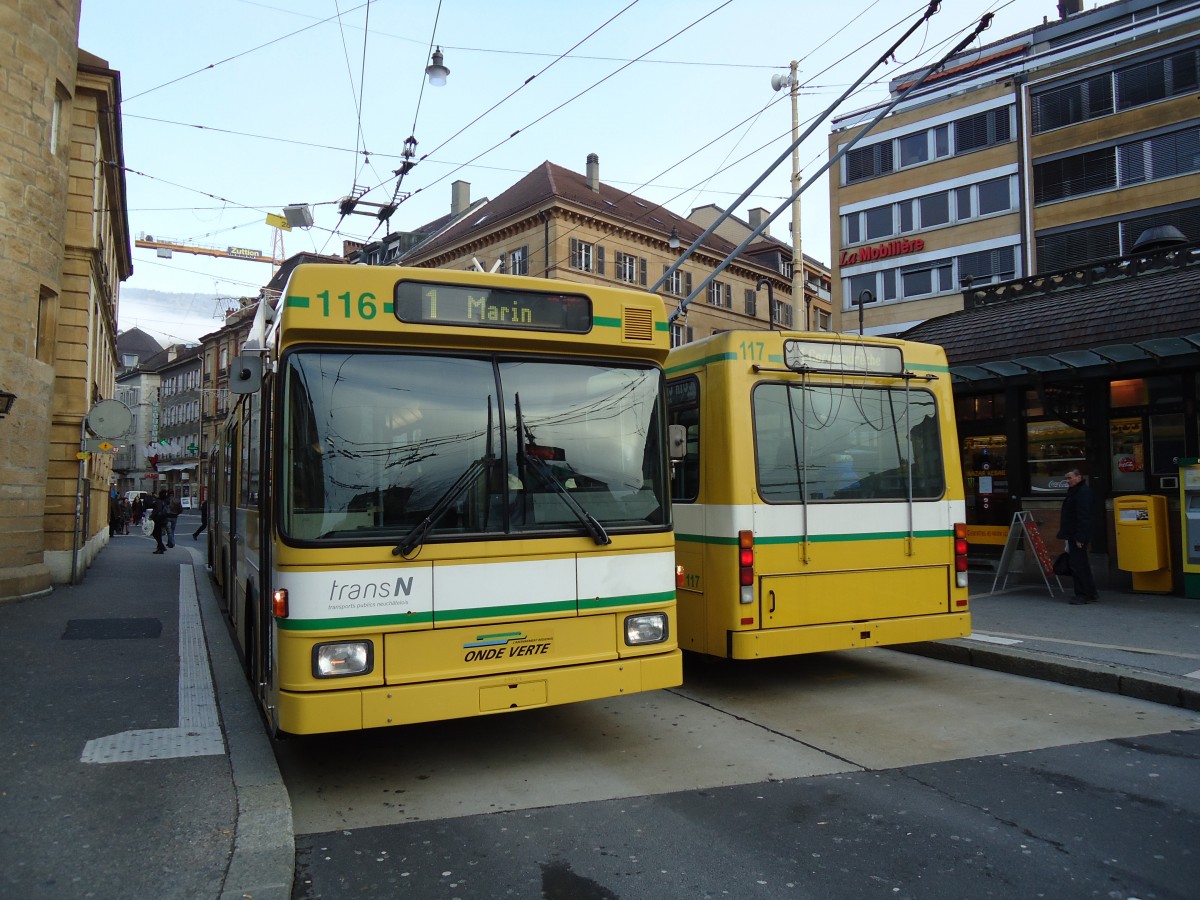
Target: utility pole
797	251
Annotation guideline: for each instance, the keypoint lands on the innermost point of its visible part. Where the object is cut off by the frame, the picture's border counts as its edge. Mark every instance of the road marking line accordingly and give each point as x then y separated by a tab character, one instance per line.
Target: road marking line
199	731
1195	674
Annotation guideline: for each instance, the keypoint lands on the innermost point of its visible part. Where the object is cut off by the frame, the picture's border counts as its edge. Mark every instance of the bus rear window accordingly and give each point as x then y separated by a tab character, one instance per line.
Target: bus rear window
846	442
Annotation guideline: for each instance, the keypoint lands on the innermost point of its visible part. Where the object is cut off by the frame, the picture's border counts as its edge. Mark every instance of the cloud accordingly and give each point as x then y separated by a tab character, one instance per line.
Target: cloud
172	318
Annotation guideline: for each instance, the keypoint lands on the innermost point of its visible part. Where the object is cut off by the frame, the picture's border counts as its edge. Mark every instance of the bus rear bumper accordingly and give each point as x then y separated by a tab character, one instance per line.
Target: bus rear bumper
846	635
408	704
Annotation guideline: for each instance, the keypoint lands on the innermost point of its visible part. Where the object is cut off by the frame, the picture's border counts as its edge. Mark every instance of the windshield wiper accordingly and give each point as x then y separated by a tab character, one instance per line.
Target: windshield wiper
546	474
414	538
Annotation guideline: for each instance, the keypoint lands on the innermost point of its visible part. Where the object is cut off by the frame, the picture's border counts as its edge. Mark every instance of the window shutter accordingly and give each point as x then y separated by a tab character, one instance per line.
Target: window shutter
687	284
599	259
575	252
642	271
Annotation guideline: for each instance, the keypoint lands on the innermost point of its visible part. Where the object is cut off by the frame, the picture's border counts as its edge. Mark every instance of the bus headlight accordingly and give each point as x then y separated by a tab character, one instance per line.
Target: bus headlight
650	628
342	658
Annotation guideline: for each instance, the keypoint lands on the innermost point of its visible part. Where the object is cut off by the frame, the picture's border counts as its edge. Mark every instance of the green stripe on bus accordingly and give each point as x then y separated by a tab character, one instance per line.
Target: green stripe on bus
295	302
454	615
927	367
699	363
722	540
662	326
606	322
359	623
598	603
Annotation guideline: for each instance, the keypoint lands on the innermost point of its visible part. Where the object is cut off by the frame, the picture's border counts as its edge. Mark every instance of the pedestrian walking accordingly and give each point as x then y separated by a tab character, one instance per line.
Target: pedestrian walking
203	520
159	513
1075	527
175	509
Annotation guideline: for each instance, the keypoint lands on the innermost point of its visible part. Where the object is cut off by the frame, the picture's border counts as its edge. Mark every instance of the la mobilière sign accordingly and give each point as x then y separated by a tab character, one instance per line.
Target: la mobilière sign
881	251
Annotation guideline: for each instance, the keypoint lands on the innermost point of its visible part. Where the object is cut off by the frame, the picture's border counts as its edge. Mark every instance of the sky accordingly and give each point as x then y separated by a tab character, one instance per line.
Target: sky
233	109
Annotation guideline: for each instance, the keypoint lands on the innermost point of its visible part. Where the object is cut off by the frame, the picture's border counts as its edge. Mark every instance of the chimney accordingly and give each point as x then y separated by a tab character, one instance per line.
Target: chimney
593	172
460	197
756	218
1067	8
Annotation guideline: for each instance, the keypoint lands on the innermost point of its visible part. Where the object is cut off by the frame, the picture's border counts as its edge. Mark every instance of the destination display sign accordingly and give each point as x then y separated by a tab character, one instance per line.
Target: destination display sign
843	356
422	302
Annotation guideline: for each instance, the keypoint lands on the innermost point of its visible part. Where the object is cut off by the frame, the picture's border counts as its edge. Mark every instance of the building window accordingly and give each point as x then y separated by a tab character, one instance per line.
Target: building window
994	196
980	130
680	334
1072	176
879	222
824	320
1160	156
719	295
857	285
935	209
922	279
914	148
582	255
630	269
781	313
679	284
518	261
868	162
987	266
853	229
1073	103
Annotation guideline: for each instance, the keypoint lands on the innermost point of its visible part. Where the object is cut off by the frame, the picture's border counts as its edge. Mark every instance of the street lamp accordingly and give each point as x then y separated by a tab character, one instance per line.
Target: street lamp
6	402
778	82
436	71
673	241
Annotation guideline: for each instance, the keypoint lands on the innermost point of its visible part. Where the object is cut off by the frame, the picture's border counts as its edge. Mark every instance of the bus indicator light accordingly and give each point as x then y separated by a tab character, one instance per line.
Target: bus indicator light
746	566
680	576
279	603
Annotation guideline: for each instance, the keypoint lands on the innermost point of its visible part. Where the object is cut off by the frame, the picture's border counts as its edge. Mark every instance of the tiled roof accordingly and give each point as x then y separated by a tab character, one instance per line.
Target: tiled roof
1153	304
549	182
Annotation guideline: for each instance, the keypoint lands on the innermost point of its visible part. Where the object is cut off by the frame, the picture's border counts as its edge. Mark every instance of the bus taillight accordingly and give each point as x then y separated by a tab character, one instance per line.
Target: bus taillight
746	566
960	554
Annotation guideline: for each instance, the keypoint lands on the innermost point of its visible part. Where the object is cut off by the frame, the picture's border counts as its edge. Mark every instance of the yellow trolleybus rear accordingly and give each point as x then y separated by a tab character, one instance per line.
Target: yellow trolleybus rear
446	494
820	503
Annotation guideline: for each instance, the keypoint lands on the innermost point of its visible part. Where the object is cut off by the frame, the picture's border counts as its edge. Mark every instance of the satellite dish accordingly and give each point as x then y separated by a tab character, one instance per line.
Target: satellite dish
109	419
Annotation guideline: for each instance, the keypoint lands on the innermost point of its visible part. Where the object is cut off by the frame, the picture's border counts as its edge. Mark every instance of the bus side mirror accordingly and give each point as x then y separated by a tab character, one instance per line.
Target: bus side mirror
677	441
246	375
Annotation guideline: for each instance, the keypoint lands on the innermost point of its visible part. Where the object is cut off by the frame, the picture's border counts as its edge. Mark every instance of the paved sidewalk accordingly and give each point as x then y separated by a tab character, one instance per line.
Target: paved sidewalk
135	763
1140	645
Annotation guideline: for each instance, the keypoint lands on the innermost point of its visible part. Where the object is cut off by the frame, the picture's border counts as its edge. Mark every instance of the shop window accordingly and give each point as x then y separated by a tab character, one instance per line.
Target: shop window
1166	443
984	462
1127	454
980	406
1053	448
1131	392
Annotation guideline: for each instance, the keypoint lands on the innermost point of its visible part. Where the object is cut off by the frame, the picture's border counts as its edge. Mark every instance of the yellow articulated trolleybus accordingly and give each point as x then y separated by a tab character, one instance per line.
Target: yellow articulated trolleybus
820	504
446	494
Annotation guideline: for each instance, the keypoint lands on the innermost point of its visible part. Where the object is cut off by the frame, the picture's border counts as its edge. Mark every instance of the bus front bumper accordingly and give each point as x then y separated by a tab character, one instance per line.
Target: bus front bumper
406	704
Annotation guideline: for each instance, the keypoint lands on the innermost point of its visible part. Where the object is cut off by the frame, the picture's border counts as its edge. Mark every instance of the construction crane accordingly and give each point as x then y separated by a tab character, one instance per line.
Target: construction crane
166	247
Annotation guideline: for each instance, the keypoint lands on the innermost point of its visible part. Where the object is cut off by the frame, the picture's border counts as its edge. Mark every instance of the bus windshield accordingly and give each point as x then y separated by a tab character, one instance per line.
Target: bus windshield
411	448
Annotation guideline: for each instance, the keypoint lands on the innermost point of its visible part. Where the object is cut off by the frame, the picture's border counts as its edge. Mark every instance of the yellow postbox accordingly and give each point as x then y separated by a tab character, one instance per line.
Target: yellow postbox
1143	541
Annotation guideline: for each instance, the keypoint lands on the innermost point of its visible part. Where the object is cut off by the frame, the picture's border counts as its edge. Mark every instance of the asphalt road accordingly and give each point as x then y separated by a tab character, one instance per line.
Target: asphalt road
872	773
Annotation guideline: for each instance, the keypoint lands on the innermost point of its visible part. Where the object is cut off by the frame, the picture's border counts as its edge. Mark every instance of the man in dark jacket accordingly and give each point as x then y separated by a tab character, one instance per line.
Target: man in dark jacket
1075	527
159	514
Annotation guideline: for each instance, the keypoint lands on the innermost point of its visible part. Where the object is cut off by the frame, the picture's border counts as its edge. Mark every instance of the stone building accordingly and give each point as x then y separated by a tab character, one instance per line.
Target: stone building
66	251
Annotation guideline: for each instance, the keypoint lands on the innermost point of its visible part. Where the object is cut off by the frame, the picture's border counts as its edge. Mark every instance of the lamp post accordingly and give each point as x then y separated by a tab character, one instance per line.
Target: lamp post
793	85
